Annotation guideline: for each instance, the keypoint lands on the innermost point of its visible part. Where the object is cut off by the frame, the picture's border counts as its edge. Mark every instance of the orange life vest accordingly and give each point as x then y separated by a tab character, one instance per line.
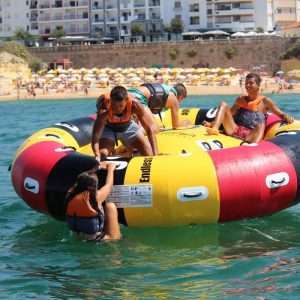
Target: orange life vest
80	206
114	119
249	105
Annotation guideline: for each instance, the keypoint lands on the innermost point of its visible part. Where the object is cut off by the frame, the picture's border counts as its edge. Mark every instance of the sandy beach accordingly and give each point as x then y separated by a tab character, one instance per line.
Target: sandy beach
95	92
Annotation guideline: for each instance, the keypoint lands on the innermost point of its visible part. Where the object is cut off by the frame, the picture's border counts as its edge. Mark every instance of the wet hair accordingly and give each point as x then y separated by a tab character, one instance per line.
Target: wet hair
85	181
254	76
180	89
99	102
118	93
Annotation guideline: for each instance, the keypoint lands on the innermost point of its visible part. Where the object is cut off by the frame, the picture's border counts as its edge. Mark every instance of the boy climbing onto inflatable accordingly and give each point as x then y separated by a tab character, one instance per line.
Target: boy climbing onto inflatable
246	118
115	121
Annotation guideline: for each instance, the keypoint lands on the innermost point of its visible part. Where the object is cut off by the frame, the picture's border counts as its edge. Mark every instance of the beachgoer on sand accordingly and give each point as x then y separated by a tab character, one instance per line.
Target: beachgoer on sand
115	121
246	118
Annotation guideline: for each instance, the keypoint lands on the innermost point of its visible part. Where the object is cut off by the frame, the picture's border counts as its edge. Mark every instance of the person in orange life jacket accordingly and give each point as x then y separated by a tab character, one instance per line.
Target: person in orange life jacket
114	121
246	118
87	212
157	97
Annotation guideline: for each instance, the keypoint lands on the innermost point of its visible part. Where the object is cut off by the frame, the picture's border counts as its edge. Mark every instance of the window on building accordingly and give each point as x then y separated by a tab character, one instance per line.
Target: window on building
177	4
224	6
236	18
194	7
209	11
194	20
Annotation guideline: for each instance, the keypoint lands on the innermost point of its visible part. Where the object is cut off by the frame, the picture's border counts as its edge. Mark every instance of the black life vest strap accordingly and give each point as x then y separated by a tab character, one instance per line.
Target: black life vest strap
158	98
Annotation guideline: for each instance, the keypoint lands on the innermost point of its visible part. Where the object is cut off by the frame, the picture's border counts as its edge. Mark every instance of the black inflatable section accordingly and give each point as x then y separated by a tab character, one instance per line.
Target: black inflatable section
290	143
207	114
80	129
62	177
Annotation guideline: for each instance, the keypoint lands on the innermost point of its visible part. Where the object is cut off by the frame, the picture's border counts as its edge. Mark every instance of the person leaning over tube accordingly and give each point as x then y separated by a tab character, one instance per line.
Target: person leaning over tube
157	97
115	121
88	214
246	118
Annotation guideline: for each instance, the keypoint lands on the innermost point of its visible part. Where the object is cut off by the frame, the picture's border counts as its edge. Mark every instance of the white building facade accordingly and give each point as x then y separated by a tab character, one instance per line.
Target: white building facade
116	18
14	15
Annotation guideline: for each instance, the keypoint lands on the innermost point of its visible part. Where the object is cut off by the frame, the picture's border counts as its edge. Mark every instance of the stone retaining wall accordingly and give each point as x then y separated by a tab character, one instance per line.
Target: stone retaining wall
241	53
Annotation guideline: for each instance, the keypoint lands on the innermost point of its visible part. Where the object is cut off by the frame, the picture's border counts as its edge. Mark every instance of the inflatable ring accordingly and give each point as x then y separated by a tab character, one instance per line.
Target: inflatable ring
198	178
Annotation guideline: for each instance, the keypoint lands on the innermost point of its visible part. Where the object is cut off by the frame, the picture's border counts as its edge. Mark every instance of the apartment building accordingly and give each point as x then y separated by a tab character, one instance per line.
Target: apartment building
116	17
72	16
285	12
14	15
233	15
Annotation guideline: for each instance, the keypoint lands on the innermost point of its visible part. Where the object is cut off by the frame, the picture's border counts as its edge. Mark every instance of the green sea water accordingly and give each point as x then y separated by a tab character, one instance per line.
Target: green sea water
40	259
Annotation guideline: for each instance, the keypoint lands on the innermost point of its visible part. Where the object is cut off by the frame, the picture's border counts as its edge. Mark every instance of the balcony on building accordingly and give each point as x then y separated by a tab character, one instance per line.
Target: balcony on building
125	5
194	7
97	5
57	4
139	3
154	3
77	3
97	18
177	6
44	5
33	4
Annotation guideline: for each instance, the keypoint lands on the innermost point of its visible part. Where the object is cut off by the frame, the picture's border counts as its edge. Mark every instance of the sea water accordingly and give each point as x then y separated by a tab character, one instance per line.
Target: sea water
40	259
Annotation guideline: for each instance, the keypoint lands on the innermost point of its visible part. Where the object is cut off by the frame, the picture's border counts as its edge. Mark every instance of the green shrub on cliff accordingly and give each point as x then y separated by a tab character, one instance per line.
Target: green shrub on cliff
173	53
230	52
17	49
191	53
293	51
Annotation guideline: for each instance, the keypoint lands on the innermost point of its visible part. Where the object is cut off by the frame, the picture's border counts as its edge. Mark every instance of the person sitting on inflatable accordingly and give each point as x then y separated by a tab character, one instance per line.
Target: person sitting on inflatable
114	121
87	212
157	97
246	118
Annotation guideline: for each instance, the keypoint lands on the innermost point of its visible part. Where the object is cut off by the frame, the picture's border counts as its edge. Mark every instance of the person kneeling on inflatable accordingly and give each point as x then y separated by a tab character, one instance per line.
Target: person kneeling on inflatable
115	121
87	212
246	118
157	97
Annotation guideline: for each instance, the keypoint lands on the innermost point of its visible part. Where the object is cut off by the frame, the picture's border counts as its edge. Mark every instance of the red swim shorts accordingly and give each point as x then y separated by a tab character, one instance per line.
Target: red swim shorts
241	132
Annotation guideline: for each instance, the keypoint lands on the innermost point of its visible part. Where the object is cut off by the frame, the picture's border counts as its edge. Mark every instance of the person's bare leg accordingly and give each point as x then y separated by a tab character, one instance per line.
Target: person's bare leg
111	225
142	144
224	117
157	127
106	147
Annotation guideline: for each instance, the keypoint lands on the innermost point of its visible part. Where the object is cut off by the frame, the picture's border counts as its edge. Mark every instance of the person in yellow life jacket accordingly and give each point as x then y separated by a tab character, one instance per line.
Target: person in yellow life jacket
115	121
157	97
87	212
246	118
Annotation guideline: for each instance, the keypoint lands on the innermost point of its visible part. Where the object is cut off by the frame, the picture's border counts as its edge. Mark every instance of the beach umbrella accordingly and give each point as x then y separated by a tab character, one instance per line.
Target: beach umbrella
238	34
250	33
215	32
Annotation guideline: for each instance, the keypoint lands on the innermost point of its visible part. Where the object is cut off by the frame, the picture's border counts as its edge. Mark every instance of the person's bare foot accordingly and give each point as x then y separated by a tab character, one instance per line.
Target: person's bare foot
212	131
206	124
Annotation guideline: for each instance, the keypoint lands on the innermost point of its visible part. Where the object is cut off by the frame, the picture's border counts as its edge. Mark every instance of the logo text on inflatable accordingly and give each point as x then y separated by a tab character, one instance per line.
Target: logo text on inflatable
146	168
